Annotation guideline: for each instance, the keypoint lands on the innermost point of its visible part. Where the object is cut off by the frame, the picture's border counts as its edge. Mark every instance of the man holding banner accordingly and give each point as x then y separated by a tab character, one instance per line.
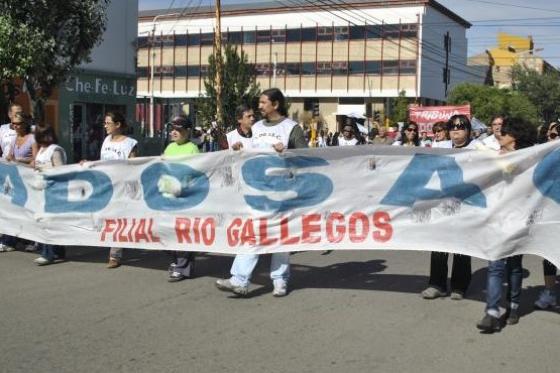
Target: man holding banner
275	132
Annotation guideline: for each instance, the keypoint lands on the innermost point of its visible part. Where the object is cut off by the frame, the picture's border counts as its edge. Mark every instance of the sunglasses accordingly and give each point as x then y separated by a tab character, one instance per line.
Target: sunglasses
457	127
412	129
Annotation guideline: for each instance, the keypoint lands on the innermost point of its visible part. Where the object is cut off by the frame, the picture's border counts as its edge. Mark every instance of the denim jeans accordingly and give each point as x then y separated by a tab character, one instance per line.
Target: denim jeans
497	270
52	252
244	264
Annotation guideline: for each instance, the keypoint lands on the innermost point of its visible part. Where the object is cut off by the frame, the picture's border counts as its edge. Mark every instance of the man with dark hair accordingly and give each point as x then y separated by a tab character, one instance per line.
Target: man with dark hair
241	136
277	132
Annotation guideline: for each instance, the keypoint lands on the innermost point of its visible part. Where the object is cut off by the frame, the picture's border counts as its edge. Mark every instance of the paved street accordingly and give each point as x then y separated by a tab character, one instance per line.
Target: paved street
347	312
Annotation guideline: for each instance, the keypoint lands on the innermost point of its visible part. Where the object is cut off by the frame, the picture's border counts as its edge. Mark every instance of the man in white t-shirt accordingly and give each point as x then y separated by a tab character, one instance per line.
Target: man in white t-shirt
7	132
491	141
274	132
240	138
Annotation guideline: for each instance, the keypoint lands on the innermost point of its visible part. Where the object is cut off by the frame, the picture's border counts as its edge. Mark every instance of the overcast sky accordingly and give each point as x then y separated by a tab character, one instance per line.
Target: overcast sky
539	18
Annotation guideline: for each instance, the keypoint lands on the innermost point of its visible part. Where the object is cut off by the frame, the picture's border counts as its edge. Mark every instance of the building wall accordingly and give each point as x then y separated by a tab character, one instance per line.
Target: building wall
434	28
117	51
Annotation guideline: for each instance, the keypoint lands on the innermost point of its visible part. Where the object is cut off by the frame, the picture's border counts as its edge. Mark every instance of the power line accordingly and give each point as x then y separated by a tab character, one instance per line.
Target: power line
514	5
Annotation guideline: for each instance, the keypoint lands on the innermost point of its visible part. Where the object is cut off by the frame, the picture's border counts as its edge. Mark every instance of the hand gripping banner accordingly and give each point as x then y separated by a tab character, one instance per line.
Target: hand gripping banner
366	197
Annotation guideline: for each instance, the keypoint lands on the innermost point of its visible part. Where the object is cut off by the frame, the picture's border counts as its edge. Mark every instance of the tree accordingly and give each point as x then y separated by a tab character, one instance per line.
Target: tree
400	108
487	101
41	41
238	86
543	90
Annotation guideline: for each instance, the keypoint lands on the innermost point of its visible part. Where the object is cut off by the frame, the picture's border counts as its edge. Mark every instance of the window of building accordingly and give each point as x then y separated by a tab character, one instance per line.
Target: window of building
356	67
263	69
180	71
249	37
341	33
204	70
409	30
293	35
309	34
308	68
193	39
235	37
164	70
292	68
324	33
193	71
408	67
374	31
324	68
278	35
143	42
373	67
357	32
390	67
142	72
181	40
391	31
263	36
340	68
207	39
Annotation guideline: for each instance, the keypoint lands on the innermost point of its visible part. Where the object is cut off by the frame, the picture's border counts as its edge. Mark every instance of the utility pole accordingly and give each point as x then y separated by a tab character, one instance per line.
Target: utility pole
274	67
219	64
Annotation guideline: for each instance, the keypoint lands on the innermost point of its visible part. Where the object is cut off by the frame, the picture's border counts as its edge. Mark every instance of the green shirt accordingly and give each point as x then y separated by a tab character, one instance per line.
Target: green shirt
174	149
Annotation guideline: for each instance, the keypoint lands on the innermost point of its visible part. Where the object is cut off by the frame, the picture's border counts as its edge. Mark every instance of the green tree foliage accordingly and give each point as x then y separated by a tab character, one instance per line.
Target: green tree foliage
543	90
399	112
42	40
487	101
238	87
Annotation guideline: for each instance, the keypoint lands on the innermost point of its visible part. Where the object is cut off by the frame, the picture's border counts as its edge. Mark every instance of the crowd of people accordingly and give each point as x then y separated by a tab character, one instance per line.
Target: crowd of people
276	132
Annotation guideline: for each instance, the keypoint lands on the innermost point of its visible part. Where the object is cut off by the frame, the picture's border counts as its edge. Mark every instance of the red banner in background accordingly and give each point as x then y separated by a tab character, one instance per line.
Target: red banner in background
426	116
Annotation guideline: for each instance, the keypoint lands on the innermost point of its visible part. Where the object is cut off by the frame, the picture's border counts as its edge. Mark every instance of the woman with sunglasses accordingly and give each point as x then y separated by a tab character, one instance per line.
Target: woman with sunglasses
409	136
548	297
441	136
182	265
514	135
116	146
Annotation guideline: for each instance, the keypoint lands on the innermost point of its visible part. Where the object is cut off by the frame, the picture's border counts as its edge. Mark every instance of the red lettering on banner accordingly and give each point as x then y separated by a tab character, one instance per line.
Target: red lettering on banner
340	228
233	232
208	231
130	230
381	220
285	238
140	233
263	233
248	233
182	230
120	236
352	230
196	230
151	234
108	228
310	224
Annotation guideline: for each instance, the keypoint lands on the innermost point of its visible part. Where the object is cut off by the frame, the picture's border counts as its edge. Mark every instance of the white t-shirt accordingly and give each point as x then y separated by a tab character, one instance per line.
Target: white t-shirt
343	142
234	137
445	144
7	139
43	159
491	142
112	150
264	137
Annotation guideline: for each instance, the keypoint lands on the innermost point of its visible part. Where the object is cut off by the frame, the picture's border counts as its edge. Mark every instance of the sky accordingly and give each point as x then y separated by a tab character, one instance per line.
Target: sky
539	18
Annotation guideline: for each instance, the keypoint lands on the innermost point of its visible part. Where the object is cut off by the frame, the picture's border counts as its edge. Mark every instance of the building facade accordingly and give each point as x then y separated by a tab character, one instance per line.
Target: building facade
497	63
329	58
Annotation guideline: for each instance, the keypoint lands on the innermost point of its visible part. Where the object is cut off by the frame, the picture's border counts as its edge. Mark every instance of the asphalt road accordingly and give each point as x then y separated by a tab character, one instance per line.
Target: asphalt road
347	312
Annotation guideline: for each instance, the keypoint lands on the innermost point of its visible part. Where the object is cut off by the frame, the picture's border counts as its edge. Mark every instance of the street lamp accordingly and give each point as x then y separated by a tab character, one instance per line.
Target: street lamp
151	128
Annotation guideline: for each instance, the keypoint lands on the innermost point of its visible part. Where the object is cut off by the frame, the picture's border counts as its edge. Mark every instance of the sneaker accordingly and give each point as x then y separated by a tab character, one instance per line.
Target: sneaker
113	263
432	293
489	324
176	276
456	295
547	299
512	316
226	285
5	248
41	261
280	289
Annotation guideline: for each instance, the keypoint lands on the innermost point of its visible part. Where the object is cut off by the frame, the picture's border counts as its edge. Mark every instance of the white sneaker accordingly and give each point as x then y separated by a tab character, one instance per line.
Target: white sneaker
5	248
280	289
547	299
41	261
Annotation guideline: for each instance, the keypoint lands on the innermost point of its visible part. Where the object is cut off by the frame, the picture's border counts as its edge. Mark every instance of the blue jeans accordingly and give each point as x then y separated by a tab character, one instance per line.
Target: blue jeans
244	264
52	252
498	269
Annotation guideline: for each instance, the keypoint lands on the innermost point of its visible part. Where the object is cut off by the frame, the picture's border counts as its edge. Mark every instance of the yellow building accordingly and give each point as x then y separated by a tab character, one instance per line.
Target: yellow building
511	50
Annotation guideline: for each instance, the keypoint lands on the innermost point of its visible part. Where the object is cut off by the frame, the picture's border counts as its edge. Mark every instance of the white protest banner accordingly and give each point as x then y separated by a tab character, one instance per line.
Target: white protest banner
364	197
